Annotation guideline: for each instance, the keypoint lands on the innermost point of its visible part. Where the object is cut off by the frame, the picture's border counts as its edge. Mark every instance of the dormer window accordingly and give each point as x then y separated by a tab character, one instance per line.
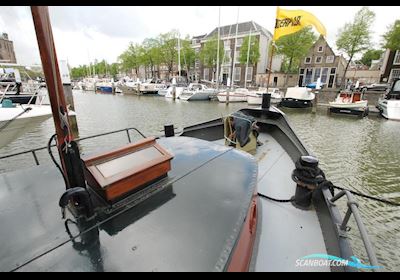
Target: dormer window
320	49
307	60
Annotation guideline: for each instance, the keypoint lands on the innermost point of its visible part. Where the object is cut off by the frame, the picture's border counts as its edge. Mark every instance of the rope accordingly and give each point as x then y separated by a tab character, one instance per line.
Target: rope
54	160
315	176
14	118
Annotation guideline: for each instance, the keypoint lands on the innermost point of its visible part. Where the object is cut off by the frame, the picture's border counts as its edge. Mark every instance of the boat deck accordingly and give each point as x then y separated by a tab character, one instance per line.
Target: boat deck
285	233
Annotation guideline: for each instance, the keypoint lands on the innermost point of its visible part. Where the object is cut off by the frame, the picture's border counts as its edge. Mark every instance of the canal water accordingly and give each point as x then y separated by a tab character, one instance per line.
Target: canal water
360	154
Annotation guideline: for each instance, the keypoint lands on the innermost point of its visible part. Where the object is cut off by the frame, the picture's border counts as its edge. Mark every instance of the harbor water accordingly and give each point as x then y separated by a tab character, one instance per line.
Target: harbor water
360	154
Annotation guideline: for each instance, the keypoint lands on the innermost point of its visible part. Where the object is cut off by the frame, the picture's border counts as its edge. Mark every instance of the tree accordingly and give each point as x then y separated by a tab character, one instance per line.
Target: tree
254	54
168	43
188	54
392	37
208	54
294	47
370	55
355	37
130	59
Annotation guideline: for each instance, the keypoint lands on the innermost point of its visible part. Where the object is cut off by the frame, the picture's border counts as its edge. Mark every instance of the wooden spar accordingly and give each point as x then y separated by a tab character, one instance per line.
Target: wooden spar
44	34
270	65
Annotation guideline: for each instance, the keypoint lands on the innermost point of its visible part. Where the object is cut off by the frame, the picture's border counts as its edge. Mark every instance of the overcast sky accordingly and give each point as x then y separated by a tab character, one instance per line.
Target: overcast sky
85	33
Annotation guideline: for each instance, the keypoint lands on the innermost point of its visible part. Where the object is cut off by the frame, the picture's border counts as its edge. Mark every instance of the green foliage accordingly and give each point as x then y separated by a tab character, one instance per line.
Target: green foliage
188	53
168	43
371	55
392	37
208	54
295	46
130	58
254	54
355	36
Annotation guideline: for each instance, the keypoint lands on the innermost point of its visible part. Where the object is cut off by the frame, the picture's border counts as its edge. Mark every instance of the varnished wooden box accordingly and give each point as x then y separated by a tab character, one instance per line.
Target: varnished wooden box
120	172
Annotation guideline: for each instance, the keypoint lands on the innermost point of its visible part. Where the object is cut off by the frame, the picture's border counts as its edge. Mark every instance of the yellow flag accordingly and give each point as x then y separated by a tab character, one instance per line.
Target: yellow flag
291	21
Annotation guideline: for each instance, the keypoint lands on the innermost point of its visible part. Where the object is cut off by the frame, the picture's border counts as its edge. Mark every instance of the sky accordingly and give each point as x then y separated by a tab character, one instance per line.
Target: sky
83	34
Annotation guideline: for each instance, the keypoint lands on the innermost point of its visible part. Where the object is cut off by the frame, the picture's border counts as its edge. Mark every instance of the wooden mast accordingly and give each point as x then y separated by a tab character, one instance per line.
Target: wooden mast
44	34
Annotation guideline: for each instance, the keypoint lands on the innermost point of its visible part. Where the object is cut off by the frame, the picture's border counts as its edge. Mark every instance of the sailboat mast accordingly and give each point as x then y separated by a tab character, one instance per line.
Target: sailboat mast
179	55
219	38
247	61
234	50
41	20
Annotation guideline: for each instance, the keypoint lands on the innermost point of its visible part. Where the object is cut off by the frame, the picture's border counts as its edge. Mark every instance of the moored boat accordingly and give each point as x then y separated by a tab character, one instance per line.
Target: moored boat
197	91
255	98
351	103
389	106
298	97
161	204
237	95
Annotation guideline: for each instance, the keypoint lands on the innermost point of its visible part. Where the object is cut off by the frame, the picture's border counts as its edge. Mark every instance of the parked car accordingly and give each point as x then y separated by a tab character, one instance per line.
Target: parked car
375	87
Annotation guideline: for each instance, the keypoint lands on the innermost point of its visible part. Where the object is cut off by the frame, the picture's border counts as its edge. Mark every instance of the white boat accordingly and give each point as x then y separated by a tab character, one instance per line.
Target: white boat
238	95
89	84
255	98
349	102
178	91
151	86
19	119
389	107
129	87
298	97
196	91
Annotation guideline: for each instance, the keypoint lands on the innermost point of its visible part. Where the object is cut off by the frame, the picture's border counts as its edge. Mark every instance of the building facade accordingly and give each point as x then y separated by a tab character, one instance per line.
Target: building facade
322	62
391	66
7	54
235	69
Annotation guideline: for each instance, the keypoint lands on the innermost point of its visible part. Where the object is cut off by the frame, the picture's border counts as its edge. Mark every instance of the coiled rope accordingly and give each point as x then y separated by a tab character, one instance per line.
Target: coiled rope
315	176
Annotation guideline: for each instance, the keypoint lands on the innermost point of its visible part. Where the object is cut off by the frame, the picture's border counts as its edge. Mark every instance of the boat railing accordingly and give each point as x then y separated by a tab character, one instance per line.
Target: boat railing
34	151
352	209
4	93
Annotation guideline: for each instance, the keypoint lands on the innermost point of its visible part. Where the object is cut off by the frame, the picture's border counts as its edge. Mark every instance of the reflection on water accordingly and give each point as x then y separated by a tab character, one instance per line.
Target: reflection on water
361	154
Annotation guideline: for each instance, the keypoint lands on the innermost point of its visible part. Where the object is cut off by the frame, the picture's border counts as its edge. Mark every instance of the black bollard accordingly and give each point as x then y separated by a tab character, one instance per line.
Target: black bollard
304	190
266	101
169	130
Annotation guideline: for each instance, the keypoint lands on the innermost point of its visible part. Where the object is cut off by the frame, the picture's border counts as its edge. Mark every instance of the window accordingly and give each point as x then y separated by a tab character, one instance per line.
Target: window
318	59
301	77
249	74
239	42
227	44
397	58
330	59
317	73
206	74
394	74
237	73
227	57
324	75
237	56
309	72
332	78
320	49
307	60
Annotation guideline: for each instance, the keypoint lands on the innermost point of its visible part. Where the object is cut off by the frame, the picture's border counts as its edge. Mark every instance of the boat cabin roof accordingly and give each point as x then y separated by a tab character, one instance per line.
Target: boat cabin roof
190	221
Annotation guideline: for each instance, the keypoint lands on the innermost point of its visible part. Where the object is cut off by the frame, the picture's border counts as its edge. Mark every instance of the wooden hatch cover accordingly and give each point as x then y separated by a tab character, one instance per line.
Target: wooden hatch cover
119	172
